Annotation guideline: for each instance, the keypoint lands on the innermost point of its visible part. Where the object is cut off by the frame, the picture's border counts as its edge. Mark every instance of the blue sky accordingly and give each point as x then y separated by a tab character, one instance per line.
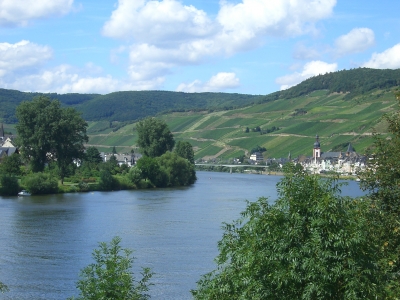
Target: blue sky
248	46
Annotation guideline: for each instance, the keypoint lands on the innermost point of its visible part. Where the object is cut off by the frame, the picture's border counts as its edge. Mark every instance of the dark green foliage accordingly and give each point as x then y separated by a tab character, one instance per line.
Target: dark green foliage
111	277
11	164
9	185
311	244
126	106
10	99
47	132
92	155
69	138
40	183
247	130
149	168
185	150
382	178
161	180
111	165
258	149
135	175
154	138
107	181
355	82
180	172
299	112
269	130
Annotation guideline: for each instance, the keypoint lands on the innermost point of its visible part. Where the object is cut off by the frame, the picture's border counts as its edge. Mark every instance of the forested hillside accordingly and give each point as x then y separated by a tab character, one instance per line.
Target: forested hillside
127	106
353	83
340	107
10	99
135	105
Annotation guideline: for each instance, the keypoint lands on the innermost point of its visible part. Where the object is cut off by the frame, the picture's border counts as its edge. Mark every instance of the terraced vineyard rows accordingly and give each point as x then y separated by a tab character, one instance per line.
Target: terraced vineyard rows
223	134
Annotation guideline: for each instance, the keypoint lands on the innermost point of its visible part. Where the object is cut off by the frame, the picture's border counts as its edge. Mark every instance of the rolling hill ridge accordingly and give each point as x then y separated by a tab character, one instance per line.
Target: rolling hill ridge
341	107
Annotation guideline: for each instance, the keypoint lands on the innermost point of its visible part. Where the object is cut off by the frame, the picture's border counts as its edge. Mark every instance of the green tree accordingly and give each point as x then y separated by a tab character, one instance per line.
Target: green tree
185	150
154	137
135	175
311	244
382	177
111	277
11	164
92	155
69	140
48	132
9	185
179	170
149	168
382	180
107	181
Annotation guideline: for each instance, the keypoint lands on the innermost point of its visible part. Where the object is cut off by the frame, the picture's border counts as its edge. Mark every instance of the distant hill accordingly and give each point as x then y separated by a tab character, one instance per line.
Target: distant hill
128	106
281	126
353	83
341	107
134	105
10	99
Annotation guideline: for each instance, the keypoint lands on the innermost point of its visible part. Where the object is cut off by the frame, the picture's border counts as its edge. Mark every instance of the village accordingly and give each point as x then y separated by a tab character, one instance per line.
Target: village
343	163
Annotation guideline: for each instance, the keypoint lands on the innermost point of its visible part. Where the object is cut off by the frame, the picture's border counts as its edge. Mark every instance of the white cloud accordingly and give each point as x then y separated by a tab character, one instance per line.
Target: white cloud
219	82
157	22
388	59
165	34
310	69
68	79
19	13
22	56
357	40
23	67
279	17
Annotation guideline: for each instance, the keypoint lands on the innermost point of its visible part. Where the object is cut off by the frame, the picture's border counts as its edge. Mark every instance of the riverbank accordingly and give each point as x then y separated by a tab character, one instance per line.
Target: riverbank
240	170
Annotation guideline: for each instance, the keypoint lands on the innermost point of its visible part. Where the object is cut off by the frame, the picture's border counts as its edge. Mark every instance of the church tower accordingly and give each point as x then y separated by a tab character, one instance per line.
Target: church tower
2	132
317	149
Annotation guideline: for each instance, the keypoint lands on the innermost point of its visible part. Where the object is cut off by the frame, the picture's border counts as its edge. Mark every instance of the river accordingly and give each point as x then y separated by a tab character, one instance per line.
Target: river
46	240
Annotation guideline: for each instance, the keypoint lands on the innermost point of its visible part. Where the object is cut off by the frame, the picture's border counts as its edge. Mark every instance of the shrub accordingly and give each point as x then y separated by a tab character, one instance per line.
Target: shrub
135	175
107	181
124	183
40	183
9	185
111	277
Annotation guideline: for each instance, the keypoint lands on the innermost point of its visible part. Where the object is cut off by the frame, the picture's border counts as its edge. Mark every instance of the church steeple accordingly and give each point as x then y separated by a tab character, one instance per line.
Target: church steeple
2	132
317	149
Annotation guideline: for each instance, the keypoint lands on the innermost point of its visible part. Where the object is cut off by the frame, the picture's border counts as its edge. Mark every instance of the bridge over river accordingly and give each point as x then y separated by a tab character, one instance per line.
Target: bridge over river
233	166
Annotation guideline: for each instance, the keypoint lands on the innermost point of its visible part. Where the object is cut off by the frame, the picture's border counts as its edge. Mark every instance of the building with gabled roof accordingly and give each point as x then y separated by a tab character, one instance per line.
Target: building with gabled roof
347	162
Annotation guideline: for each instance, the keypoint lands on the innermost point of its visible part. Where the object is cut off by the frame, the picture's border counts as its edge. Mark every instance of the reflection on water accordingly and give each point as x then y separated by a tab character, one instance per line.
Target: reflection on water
46	240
